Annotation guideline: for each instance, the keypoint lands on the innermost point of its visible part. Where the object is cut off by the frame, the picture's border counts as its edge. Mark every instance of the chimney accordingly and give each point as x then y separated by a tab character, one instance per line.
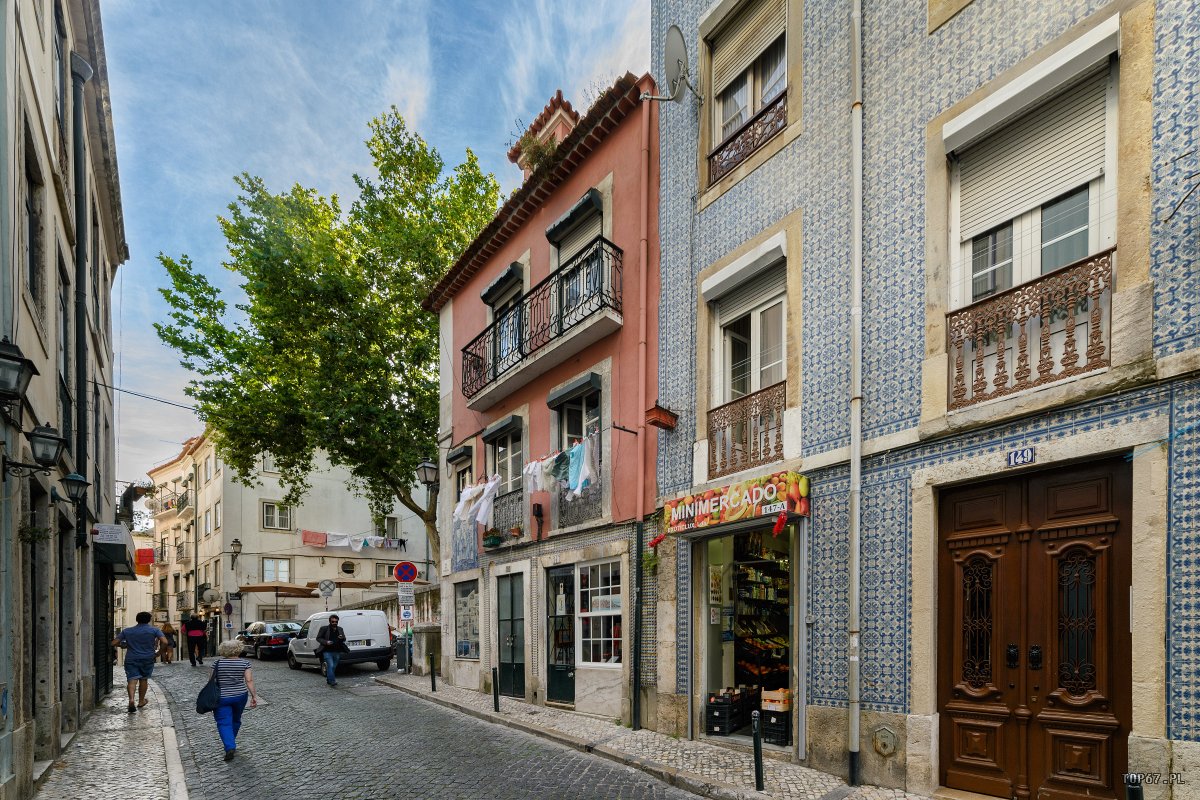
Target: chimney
555	123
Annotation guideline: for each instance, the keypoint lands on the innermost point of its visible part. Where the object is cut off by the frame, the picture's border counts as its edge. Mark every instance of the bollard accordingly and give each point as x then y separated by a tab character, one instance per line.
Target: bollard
432	674
758	765
495	690
1133	786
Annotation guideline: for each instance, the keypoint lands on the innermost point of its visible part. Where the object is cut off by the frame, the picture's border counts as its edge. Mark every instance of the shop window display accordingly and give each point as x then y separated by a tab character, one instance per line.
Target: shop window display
749	634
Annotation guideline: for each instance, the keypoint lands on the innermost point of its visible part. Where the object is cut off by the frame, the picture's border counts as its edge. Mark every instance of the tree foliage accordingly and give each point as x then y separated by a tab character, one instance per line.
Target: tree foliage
329	352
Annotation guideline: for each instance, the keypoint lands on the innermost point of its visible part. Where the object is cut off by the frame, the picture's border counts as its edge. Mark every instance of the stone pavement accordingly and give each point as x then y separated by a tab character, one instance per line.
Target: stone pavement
117	754
706	769
364	741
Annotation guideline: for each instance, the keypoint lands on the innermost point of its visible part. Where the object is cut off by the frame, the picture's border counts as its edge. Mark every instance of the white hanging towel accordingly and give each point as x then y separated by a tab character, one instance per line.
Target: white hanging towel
467	499
483	508
531	472
338	540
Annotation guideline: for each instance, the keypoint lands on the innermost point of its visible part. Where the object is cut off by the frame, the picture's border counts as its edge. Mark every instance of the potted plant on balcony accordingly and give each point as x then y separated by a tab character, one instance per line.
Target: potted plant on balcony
515	531
492	538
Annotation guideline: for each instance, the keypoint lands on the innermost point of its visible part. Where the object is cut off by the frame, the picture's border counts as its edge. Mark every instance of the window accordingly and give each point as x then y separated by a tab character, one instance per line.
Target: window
578	418
599	617
466	619
752	90
207	469
752	344
507	313
217	515
60	70
277	516
274	612
216	465
268	463
277	569
207	522
1036	195
95	266
204	572
507	461
216	572
462	479
32	227
349	567
383	572
389	529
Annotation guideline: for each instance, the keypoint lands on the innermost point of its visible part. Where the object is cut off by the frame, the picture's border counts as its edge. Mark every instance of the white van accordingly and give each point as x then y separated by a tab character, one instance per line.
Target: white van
367	636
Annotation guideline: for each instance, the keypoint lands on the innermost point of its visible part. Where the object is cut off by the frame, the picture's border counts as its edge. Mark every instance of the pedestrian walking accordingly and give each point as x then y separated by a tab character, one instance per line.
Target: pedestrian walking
331	641
193	632
167	654
236	681
141	643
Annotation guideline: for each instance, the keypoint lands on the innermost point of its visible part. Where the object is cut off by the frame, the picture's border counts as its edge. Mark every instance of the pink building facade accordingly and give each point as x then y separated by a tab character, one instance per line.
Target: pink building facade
548	334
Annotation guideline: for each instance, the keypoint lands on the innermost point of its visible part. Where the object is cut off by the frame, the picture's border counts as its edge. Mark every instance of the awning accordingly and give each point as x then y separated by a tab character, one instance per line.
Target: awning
113	545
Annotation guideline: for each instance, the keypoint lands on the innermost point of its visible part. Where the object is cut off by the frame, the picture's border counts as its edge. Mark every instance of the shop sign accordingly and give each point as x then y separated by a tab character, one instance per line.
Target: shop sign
765	496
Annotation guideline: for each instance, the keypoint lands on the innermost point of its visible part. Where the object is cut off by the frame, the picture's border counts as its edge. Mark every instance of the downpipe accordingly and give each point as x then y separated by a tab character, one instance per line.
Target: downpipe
854	625
81	73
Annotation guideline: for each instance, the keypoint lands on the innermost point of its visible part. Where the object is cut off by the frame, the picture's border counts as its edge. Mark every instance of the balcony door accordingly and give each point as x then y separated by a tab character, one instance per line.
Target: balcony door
581	273
509	318
1034	685
510	619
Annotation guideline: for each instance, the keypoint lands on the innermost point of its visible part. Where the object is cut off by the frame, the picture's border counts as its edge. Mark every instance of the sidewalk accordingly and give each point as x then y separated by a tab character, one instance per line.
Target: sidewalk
705	769
118	754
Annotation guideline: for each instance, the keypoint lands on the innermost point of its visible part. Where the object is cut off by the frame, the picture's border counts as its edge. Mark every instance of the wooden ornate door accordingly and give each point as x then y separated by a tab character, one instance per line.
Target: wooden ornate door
1034	671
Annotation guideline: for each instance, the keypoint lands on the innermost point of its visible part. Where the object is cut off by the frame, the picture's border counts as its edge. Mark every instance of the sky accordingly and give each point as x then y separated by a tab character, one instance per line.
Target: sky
283	89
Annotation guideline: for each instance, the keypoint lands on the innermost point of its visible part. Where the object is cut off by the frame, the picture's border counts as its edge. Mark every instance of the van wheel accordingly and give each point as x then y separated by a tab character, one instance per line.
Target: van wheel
293	663
383	664
324	668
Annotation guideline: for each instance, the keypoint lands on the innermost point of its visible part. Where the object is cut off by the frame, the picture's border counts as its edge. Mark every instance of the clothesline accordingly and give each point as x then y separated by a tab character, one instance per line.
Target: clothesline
355	542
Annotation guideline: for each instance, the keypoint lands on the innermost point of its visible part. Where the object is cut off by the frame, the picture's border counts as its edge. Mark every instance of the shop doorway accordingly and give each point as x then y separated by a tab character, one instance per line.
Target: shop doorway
1034	680
560	651
510	615
748	622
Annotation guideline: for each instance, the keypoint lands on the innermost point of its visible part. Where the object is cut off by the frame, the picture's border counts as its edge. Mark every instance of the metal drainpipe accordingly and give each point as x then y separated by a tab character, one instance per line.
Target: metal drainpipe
640	512
856	266
81	73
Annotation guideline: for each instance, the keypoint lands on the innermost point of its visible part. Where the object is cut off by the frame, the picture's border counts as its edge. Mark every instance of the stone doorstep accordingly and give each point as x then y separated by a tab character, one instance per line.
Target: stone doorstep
688	781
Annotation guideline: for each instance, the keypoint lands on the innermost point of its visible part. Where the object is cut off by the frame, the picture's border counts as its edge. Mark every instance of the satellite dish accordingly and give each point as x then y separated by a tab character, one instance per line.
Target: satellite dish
210	596
675	61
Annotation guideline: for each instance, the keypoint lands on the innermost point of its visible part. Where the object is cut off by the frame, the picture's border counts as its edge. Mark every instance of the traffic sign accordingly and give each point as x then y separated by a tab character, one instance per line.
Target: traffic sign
228	626
405	594
326	586
229	608
405	572
406	613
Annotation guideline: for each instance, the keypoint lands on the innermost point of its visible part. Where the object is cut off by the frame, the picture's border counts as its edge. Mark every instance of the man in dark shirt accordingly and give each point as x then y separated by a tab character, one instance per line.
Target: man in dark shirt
331	640
141	643
194	631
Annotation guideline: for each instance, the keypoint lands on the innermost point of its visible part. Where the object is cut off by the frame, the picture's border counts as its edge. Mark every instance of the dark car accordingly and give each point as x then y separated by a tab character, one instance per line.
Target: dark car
262	639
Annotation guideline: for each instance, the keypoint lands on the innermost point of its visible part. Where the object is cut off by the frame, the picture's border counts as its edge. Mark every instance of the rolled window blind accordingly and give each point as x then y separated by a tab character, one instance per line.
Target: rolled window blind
759	289
1054	148
583	234
744	38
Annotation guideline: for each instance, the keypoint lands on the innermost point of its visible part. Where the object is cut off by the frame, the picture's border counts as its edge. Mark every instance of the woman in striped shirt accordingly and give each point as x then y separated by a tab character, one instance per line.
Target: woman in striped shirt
236	682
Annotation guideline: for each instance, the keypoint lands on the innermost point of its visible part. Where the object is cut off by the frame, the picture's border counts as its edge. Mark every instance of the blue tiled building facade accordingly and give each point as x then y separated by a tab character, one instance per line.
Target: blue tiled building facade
926	65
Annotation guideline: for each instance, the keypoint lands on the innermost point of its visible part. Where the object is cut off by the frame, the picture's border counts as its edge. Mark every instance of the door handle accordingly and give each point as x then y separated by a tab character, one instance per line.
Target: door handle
1012	656
1035	657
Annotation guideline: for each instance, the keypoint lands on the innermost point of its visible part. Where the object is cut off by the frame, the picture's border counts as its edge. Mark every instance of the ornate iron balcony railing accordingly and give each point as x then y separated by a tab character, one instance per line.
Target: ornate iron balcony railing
162	554
1059	313
183	553
183	600
770	120
585	508
588	283
159	602
509	512
747	432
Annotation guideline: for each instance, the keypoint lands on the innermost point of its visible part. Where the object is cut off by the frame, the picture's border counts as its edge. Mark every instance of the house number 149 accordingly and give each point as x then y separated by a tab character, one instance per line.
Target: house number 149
1019	458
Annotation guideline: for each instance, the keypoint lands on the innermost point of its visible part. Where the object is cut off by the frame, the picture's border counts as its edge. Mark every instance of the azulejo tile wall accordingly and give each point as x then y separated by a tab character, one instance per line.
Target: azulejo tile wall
1183	567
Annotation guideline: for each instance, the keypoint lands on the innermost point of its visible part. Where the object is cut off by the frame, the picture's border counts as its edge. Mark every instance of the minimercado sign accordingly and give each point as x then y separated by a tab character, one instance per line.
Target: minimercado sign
768	495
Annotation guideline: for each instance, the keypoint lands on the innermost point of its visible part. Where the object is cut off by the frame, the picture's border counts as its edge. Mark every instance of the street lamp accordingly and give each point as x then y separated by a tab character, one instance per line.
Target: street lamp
16	371
46	446
236	547
76	486
427	473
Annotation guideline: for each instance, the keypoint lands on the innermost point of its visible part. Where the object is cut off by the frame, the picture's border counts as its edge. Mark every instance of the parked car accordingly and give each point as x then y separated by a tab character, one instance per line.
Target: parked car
367	637
267	638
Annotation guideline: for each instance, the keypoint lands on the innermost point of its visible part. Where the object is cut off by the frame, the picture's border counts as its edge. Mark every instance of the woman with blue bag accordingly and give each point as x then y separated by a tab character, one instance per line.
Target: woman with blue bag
226	693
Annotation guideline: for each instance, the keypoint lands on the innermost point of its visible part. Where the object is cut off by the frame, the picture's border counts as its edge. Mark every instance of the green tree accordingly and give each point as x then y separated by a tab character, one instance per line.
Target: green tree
330	351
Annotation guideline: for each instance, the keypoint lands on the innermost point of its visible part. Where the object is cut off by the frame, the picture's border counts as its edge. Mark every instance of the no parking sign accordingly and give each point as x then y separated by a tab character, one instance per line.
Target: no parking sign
405	572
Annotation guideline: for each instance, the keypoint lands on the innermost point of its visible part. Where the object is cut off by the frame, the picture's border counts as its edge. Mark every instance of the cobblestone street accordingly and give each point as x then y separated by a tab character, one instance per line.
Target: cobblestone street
363	741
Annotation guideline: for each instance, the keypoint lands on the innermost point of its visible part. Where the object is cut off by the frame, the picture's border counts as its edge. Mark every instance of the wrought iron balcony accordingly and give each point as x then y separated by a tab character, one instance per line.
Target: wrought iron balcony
162	503
183	505
509	512
183	553
546	317
747	432
587	507
1031	335
758	130
183	601
159	601
162	554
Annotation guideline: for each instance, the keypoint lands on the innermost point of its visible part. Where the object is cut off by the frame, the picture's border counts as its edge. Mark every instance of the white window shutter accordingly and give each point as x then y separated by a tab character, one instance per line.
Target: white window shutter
761	288
574	242
744	38
1054	148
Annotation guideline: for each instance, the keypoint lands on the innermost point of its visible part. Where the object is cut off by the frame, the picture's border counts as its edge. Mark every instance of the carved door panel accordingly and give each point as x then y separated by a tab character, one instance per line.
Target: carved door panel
1079	567
1034	676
